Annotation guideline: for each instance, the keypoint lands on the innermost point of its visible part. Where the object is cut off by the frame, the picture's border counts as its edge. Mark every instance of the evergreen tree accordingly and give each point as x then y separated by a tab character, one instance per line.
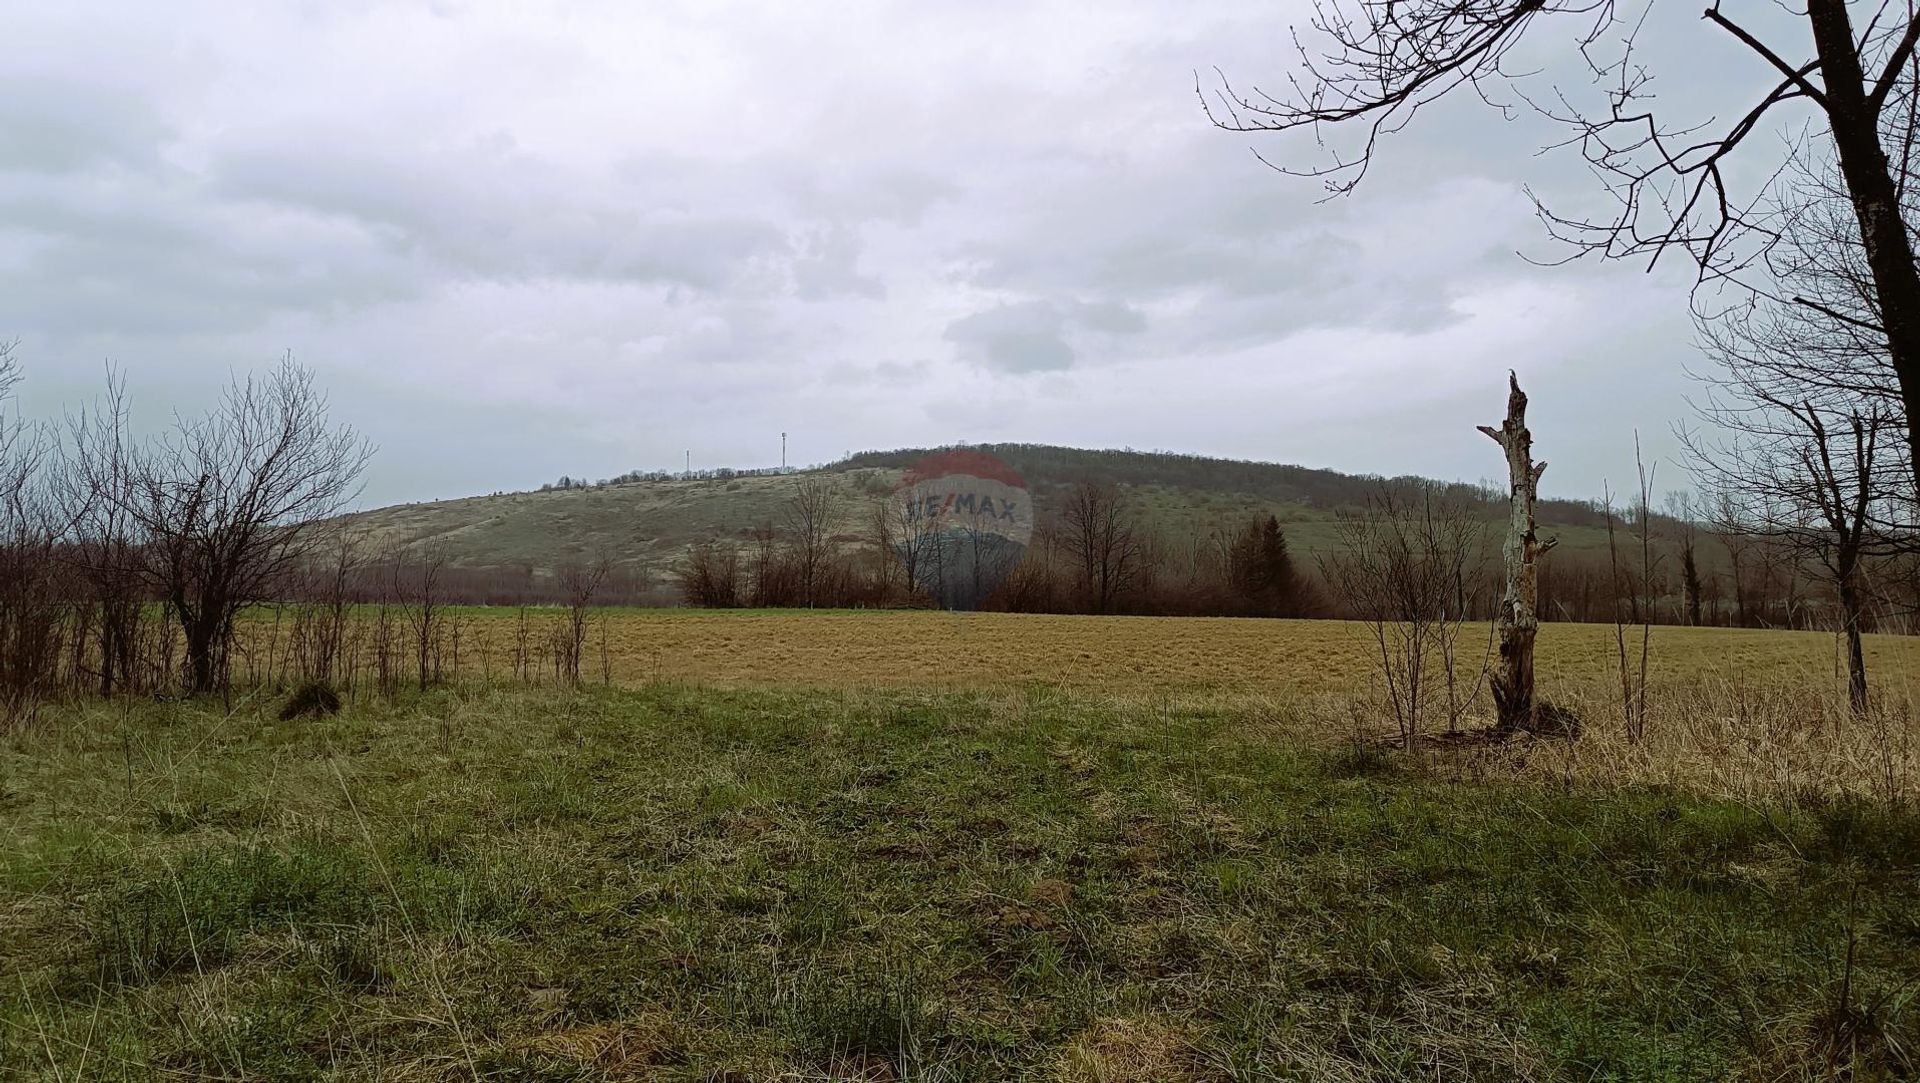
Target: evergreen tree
1260	570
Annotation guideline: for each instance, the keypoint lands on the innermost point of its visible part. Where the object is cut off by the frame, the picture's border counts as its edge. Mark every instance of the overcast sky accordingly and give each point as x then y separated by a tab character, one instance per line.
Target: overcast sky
518	240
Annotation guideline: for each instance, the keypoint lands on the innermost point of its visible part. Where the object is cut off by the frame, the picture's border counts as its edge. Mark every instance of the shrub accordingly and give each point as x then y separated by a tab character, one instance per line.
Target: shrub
311	700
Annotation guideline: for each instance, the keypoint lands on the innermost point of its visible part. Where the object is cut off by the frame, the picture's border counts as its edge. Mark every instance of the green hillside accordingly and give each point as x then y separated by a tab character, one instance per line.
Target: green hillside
647	524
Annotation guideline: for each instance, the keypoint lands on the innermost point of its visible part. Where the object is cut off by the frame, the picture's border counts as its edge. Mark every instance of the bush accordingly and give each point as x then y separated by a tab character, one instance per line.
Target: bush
1553	720
311	700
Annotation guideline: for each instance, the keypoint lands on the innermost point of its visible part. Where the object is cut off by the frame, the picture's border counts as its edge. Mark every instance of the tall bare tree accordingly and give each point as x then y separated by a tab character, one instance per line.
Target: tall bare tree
1826	484
228	502
772	578
907	539
1372	65
1692	583
1727	525
1812	464
810	514
880	526
1103	542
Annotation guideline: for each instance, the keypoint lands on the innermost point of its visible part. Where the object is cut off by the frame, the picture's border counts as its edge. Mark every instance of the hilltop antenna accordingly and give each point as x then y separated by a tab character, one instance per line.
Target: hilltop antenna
783	451
689	462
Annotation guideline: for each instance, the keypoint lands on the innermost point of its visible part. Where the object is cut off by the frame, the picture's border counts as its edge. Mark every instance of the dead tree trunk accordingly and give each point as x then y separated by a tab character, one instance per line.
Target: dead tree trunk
1518	623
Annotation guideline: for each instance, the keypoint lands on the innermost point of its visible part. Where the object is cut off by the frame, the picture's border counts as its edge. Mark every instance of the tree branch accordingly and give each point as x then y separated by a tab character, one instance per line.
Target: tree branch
1796	75
1891	73
1841	316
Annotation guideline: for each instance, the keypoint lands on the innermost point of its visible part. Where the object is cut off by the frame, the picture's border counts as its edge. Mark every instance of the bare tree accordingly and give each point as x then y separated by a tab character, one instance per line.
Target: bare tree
1400	567
810	514
1371	65
417	585
580	580
321	626
32	522
1813	466
1101	539
1692	584
384	634
771	582
989	556
1826	486
107	548
881	534
1825	483
228	503
1638	591
1727	525
924	545
710	576
523	667
903	538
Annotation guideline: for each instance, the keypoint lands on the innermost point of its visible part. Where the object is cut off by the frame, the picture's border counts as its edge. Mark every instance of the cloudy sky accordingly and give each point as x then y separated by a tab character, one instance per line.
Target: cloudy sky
521	239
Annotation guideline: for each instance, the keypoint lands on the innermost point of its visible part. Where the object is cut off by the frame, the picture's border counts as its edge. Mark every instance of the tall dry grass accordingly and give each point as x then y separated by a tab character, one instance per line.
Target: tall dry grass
1738	737
1743	713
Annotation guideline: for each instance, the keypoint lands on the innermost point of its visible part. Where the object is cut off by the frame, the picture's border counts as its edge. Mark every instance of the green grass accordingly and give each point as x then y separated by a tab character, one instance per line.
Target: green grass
682	884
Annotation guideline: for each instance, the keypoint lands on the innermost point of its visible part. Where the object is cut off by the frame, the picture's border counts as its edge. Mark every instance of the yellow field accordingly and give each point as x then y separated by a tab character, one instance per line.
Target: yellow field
936	650
1729	711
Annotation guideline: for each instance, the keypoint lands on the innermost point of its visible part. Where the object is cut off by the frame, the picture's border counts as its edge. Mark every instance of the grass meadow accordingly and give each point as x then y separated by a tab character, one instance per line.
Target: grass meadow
918	846
1133	656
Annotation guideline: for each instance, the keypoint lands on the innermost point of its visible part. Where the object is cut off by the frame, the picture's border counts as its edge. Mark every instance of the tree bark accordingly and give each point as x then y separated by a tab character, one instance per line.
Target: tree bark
1850	607
1690	584
1519	622
1854	116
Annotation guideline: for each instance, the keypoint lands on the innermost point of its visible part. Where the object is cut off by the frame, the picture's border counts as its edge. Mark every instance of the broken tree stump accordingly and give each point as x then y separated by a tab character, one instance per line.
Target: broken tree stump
1518	623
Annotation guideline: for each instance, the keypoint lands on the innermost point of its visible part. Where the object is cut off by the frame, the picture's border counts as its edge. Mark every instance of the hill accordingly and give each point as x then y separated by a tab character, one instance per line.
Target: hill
646	522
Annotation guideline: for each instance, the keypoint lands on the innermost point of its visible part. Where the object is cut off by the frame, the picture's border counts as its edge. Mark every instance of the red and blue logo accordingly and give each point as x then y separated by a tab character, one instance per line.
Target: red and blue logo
965	524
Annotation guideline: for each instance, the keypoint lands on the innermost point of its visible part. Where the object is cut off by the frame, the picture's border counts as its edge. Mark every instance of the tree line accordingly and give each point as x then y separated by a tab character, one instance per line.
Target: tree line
1097	551
1096	554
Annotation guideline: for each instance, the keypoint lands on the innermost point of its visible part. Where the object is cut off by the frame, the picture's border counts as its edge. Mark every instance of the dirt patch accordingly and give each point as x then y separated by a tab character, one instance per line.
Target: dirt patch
1054	893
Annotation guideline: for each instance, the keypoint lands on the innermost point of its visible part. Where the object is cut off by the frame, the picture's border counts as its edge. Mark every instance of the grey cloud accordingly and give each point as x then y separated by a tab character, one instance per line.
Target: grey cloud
489	210
1032	336
1111	317
69	127
1249	264
896	194
618	233
827	265
85	262
1024	337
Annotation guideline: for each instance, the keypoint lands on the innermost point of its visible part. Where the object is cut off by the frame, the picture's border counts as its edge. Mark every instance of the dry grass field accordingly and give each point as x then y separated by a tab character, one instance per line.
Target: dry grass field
1131	656
1730	711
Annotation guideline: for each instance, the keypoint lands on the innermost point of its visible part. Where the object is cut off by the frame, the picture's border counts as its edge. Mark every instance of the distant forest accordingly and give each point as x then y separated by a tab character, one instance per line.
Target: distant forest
1325	489
1097	552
